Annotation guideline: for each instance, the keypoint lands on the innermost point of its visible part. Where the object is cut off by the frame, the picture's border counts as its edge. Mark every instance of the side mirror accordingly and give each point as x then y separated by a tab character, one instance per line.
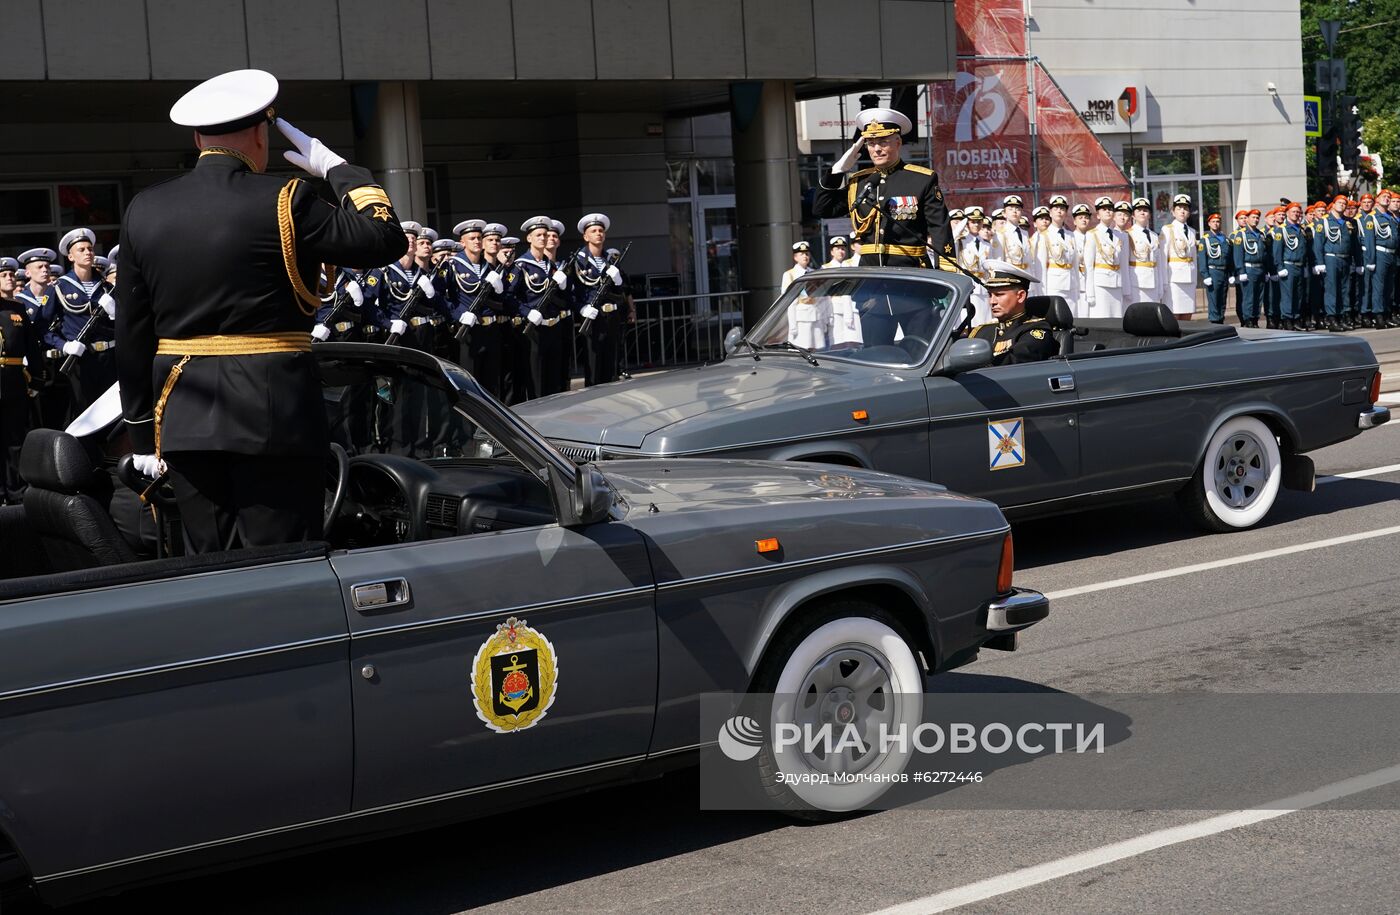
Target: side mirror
593	498
731	339
967	355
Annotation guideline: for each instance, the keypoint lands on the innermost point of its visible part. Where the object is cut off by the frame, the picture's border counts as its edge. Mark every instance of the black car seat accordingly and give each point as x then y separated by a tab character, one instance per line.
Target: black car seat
65	503
1150	324
1055	311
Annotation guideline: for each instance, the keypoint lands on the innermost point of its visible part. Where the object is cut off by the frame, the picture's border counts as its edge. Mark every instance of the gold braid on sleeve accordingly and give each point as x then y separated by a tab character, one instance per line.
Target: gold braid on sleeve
307	301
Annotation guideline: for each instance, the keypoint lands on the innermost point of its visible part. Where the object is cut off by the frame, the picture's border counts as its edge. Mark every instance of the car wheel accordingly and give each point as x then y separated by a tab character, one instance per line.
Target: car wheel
851	667
1238	478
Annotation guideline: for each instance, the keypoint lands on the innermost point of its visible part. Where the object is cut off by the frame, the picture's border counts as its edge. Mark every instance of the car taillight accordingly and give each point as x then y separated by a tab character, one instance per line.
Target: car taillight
1008	565
1376	387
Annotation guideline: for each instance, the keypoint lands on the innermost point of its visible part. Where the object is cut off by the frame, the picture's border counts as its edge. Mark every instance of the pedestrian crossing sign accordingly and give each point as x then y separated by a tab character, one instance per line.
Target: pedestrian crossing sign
1312	115
1006	443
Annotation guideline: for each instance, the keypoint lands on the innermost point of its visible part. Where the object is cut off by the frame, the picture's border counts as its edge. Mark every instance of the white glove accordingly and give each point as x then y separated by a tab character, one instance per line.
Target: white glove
311	156
1370	266
74	348
398	327
356	293
1357	270
148	465
1283	273
1208	281
1319	269
847	162
1244	277
493	279
108	304
560	279
468	318
1232	281
534	317
614	274
321	332
588	311
425	283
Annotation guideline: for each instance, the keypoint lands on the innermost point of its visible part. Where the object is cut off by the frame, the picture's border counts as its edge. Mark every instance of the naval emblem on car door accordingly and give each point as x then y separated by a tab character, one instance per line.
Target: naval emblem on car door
1006	443
514	676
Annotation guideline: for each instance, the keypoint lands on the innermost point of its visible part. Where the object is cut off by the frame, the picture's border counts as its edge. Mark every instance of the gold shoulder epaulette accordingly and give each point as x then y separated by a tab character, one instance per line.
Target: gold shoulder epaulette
862	173
918	169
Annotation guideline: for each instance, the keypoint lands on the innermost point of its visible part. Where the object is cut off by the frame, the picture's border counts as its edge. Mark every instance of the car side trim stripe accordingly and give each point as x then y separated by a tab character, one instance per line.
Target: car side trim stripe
158	669
501	611
343	817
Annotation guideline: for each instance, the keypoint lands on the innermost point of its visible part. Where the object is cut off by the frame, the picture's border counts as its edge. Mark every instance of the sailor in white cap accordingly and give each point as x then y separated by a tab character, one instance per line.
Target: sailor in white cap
1057	255
1179	242
809	319
88	311
840	250
53	405
896	208
601	299
475	286
845	315
801	264
9	277
541	286
1145	260
241	426
1106	276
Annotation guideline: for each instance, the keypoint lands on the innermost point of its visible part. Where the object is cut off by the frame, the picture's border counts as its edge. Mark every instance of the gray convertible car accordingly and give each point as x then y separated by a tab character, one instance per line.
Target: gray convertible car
1129	409
478	634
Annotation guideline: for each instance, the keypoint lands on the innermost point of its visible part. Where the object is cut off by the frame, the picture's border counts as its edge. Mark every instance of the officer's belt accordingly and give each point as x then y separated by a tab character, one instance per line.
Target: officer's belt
487	320
609	308
549	322
419	321
11	360
902	250
1337	254
342	326
101	346
1385	249
220	345
1181	260
1142	263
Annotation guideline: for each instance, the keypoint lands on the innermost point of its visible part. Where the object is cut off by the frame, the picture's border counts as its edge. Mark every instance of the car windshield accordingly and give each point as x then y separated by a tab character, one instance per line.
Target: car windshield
879	319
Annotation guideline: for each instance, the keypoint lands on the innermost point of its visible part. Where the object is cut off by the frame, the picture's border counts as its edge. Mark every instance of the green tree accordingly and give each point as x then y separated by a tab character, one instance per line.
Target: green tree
1381	134
1365	43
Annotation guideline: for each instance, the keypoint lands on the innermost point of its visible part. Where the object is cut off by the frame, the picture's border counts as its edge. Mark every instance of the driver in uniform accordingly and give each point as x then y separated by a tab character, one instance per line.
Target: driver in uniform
218	383
1014	335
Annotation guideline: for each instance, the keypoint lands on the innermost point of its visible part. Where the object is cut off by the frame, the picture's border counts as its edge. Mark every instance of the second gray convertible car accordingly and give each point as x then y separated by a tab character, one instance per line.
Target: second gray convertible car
477	634
1127	410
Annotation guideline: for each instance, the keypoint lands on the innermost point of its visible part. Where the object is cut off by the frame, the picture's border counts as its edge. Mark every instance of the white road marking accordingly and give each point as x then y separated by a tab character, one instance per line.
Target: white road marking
1359	474
1391	398
1223	563
1129	848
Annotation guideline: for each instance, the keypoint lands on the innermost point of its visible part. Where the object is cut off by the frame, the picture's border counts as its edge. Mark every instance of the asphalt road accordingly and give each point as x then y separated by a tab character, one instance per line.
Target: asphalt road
1314	620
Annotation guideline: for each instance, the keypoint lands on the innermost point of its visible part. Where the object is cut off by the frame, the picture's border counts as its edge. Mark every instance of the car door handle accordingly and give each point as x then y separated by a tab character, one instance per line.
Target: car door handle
373	596
1062	383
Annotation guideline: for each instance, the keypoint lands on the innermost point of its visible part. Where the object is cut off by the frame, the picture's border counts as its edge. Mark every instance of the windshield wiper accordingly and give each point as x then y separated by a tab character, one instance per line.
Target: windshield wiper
788	344
753	350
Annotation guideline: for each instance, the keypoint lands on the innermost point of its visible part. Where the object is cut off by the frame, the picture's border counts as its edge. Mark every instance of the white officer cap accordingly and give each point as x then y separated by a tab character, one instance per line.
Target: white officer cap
1181	200
429	234
38	254
998	213
228	102
882	122
494	228
1081	209
1141	203
74	236
536	222
1001	275
837	241
468	225
956	213
594	219
557	227
1059	200
1038	212
510	241
1103	203
801	246
1012	200
410	227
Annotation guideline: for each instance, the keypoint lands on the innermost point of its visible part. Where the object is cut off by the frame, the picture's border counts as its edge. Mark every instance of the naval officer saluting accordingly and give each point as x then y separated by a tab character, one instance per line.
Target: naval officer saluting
214	328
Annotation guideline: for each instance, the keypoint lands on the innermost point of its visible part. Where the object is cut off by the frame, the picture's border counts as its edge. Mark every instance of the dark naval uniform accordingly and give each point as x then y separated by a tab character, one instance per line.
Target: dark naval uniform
469	289
401	298
214	353
347	321
15	333
52	406
894	212
605	332
1018	339
529	284
77	304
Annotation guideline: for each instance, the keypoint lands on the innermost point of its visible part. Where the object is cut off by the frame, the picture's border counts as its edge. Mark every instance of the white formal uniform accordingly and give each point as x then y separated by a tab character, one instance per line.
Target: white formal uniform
1013	245
973	253
1106	270
1058	257
809	322
1144	262
794	273
1081	301
1179	248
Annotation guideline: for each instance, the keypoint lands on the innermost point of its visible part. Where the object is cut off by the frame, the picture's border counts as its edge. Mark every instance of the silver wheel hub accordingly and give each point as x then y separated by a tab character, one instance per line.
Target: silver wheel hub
849	693
1241	470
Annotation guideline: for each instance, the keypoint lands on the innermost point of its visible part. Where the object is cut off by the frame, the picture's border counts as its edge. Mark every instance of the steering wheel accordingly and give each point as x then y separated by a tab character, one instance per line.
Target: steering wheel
335	491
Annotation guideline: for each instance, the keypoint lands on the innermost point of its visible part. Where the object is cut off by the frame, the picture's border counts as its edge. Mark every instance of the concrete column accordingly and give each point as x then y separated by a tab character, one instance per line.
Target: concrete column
389	142
768	208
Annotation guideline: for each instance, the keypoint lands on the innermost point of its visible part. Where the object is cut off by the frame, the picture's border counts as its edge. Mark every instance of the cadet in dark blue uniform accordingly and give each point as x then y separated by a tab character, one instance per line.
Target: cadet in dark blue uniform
9	277
475	286
349	311
1290	258
214	318
89	311
1251	257
540	287
1334	254
53	401
595	270
412	303
1214	263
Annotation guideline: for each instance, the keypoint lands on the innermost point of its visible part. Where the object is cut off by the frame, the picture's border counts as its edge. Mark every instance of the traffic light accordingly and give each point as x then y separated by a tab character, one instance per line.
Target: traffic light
1350	123
1327	146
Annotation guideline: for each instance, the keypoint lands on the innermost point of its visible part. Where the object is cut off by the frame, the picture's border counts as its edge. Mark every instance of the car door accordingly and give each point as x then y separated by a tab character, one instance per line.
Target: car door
1008	433
489	657
171	704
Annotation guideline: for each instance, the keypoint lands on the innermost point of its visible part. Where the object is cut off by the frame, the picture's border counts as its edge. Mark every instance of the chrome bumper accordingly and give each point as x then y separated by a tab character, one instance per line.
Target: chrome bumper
1020	608
1370	419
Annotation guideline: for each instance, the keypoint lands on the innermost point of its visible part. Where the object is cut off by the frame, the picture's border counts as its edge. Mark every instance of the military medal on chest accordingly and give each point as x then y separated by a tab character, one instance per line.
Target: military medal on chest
514	675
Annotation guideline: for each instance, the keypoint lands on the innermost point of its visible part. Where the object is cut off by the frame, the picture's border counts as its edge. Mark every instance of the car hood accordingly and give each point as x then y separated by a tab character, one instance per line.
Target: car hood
625	413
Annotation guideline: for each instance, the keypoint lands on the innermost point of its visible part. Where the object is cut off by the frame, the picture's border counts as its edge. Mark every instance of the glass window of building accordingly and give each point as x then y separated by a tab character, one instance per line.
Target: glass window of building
39	214
1201	172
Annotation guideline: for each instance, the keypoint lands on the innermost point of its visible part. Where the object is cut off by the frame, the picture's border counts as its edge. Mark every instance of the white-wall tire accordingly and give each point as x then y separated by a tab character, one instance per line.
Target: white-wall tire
852	661
1238	477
